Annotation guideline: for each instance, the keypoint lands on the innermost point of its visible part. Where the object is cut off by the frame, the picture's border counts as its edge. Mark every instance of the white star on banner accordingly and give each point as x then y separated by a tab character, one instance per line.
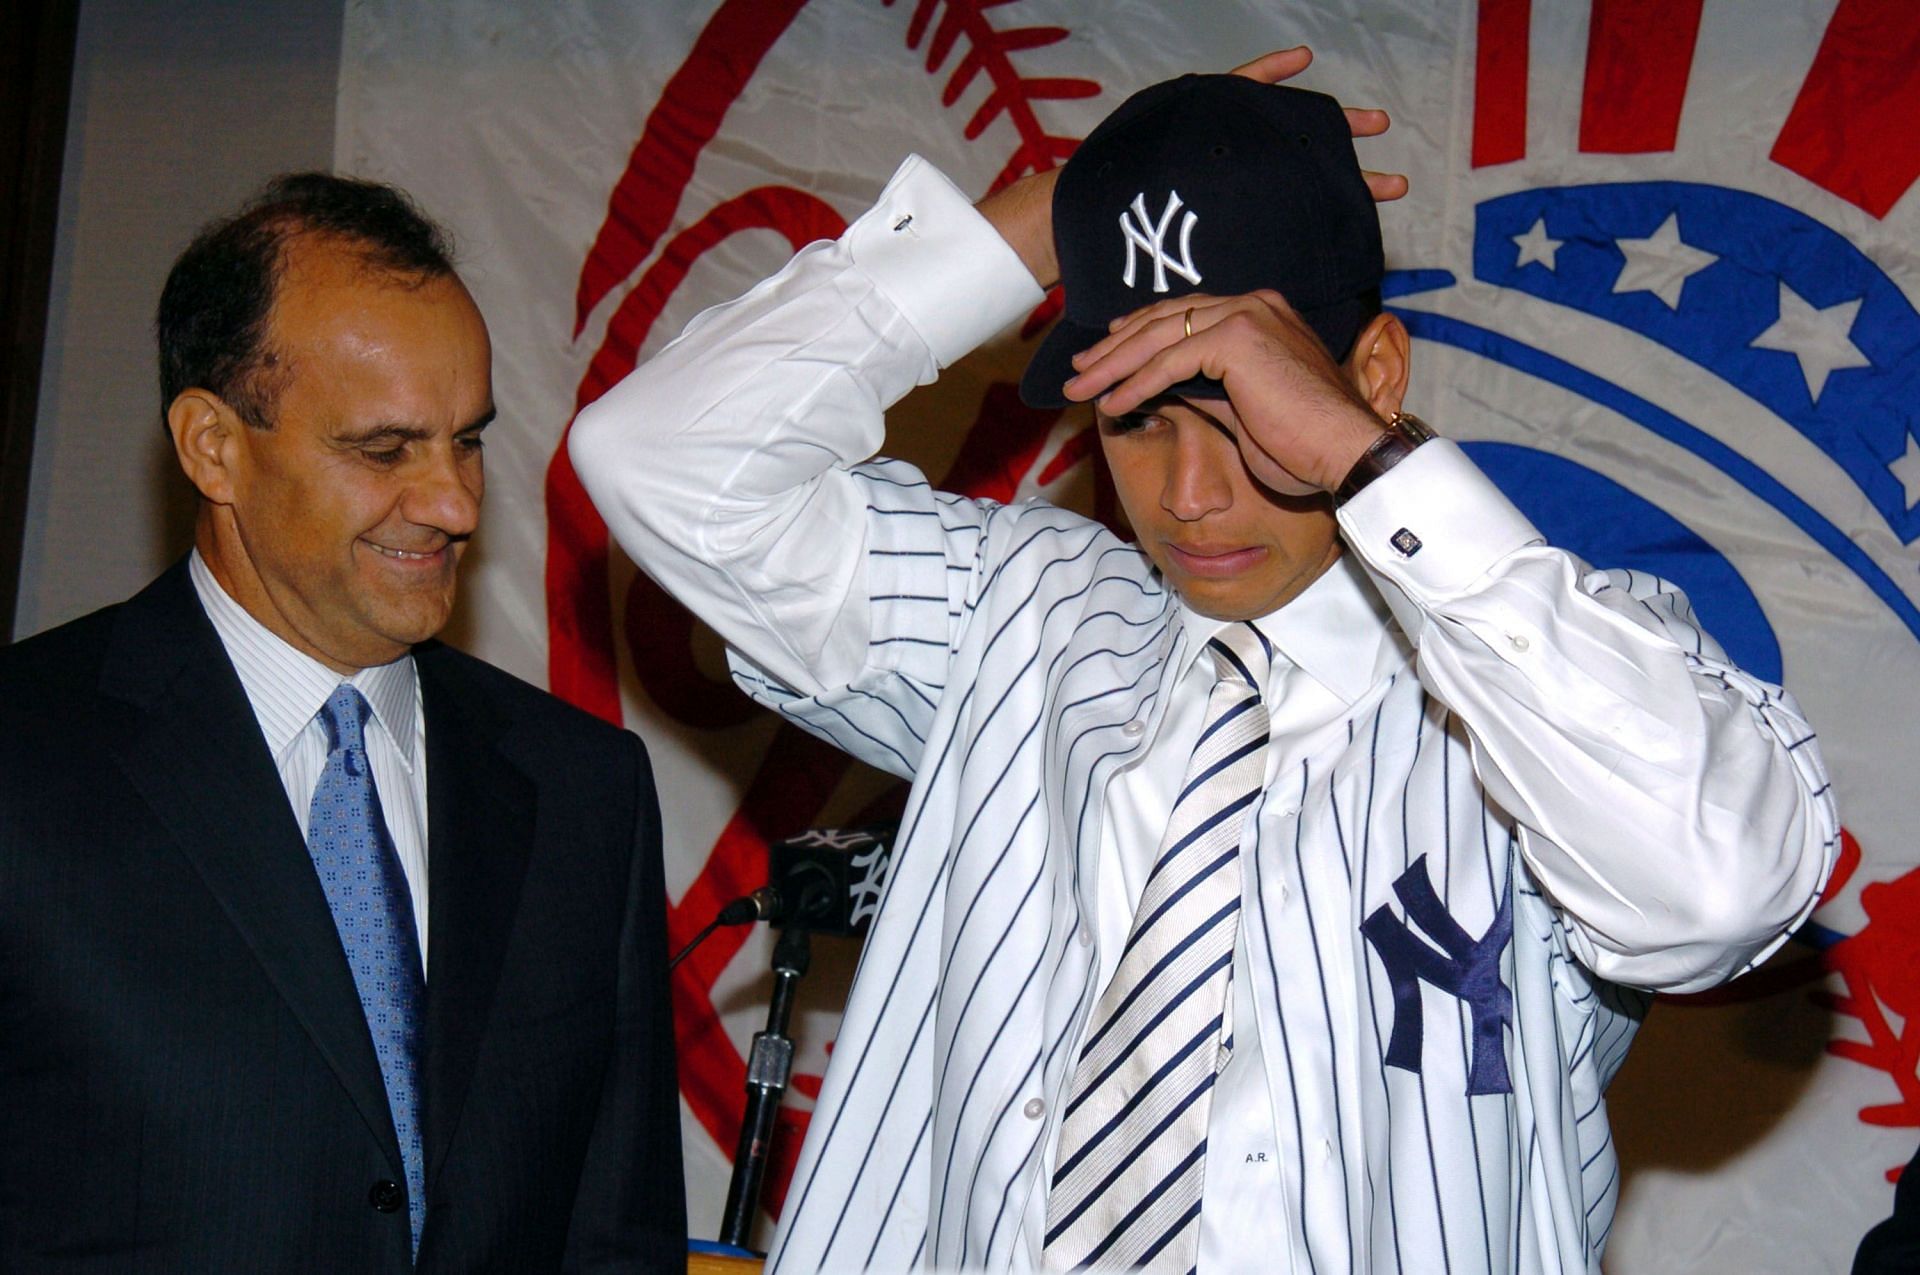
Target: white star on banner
1907	470
1661	263
1820	339
1536	246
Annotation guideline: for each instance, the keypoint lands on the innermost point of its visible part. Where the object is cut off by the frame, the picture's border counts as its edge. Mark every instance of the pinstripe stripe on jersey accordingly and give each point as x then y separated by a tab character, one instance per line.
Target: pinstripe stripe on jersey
1373	1007
1326	1004
1280	1018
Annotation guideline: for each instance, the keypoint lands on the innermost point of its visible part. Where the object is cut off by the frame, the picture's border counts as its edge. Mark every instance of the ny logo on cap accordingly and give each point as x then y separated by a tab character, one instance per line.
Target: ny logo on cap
1133	225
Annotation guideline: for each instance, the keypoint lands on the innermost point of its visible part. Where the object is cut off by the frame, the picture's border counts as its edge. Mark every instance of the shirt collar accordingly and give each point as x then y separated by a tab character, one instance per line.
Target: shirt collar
287	686
1332	631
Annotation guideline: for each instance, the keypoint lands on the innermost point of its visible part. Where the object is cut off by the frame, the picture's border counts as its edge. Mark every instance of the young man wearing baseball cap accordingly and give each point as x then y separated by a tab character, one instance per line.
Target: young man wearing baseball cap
1277	892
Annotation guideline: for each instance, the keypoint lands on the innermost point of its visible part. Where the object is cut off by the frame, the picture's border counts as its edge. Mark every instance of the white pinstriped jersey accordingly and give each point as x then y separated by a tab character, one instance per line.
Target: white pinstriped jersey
1572	763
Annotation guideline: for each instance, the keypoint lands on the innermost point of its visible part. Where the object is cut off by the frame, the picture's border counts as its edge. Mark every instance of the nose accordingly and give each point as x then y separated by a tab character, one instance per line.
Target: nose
1196	479
446	492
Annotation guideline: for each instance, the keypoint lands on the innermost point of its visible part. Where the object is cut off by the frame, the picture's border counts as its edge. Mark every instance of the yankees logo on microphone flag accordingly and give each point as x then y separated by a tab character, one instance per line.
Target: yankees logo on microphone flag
1660	262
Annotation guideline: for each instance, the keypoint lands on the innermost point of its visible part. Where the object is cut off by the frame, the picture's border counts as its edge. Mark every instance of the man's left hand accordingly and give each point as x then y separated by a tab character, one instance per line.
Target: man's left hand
1299	422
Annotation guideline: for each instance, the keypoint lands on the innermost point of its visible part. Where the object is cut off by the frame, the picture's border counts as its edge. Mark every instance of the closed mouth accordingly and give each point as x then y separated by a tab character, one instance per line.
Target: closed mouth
1214	559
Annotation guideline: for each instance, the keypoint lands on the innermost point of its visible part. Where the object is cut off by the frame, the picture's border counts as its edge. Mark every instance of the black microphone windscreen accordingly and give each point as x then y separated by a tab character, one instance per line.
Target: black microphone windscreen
830	879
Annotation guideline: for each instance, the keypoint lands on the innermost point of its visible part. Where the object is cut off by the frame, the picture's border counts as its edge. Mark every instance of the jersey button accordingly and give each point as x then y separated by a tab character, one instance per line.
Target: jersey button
1134	729
1034	1108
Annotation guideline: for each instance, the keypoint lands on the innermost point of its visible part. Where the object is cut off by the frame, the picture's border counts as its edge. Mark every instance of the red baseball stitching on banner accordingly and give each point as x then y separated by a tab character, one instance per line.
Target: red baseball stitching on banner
1880	968
1013	94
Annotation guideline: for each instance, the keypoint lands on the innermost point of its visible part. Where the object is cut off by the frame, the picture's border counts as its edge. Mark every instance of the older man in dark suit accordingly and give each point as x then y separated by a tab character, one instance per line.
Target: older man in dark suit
324	946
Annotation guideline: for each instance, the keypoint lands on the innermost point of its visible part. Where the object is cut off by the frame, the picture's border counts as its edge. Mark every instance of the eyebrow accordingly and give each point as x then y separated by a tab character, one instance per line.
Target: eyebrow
395	431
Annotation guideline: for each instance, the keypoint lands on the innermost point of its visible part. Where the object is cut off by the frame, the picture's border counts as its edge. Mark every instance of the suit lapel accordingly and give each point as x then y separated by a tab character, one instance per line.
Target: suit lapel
480	829
193	749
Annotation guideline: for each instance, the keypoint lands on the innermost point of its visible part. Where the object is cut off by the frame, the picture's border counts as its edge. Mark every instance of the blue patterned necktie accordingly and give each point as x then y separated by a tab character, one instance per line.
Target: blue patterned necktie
1132	1150
373	910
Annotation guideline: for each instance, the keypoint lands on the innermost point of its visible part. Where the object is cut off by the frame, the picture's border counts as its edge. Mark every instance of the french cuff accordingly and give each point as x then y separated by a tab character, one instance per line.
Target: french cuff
943	265
1430	527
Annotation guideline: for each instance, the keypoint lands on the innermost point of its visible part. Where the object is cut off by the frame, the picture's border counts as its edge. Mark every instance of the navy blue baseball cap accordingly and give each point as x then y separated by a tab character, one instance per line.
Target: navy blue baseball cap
1216	184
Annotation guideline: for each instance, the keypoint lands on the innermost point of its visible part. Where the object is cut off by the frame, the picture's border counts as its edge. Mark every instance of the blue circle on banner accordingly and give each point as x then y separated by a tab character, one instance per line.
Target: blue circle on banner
1588	514
1847	393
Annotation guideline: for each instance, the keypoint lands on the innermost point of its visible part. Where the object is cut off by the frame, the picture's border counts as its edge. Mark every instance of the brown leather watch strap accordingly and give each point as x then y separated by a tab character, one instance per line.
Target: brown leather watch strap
1403	433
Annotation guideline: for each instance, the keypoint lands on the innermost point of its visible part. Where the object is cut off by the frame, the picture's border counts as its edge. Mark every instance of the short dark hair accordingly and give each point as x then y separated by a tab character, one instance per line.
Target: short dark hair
211	325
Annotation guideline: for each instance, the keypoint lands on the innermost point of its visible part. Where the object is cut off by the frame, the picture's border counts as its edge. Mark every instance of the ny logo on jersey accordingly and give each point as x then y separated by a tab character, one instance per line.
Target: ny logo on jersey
1134	226
1465	967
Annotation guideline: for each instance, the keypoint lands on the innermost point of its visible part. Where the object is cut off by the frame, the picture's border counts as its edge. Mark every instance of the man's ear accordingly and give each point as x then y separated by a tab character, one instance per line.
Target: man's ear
207	441
1379	364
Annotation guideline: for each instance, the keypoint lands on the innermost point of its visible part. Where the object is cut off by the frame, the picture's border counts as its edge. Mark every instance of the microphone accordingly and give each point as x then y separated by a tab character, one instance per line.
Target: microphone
828	880
824	881
748	908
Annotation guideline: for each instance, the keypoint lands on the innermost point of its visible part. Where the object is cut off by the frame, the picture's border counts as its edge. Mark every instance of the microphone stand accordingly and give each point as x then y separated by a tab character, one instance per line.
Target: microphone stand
769	1066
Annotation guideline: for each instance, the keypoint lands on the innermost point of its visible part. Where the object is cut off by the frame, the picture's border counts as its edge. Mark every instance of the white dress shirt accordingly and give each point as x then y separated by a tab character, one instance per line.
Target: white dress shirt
287	689
1326	646
1484	734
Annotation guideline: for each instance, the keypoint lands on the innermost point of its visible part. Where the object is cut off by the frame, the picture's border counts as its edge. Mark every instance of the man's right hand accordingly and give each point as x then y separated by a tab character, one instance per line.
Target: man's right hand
1023	211
1300	423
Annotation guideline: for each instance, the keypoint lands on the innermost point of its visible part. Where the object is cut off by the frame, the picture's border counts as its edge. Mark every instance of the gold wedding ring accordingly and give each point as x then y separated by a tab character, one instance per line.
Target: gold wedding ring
1189	320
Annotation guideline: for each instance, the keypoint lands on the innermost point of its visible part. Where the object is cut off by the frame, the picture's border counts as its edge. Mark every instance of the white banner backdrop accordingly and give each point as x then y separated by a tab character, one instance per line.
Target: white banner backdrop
1660	261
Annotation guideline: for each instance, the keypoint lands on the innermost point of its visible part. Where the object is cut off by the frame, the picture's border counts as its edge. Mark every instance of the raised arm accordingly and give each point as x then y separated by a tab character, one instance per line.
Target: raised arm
724	465
1675	808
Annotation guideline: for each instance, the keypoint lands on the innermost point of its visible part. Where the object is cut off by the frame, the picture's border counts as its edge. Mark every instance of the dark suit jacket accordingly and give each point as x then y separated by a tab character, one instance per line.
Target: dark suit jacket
187	1083
1893	1247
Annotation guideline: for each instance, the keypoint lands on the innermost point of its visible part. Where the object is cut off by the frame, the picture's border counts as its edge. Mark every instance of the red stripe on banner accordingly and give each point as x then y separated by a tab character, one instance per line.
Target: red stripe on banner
580	657
1639	56
685	119
1852	131
1500	82
581	667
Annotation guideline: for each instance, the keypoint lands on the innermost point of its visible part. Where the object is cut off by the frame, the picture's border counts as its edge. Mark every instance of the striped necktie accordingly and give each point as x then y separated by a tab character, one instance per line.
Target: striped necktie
1132	1150
373	910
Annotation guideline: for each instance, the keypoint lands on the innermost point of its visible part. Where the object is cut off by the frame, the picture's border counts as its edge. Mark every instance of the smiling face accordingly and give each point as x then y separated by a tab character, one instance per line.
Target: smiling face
341	526
1232	548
